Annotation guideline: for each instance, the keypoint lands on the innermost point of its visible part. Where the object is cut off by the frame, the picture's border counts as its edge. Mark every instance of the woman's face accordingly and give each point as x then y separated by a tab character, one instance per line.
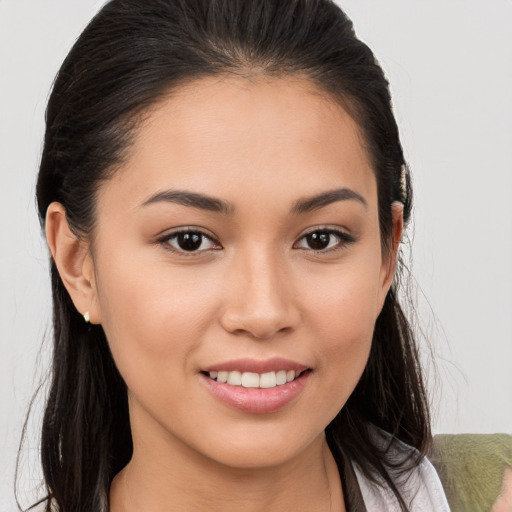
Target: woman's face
241	238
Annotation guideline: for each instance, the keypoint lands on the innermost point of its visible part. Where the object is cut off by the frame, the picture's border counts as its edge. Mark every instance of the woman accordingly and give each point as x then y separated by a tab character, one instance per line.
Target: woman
223	192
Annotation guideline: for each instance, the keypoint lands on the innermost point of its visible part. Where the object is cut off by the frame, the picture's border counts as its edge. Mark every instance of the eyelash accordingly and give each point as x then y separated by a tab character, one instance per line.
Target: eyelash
344	240
164	241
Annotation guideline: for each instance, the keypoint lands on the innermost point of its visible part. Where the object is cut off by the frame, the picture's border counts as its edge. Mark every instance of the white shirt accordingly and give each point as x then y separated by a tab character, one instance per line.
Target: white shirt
421	488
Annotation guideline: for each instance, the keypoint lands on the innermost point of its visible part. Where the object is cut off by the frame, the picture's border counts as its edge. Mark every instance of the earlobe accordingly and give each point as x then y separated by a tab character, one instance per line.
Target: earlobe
73	260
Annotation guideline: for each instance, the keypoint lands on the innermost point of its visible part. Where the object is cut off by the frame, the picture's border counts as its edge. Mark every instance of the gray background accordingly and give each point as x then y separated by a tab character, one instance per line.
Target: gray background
450	67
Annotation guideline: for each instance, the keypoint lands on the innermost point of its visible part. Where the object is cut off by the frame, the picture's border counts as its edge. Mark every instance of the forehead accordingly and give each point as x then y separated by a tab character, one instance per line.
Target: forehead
218	135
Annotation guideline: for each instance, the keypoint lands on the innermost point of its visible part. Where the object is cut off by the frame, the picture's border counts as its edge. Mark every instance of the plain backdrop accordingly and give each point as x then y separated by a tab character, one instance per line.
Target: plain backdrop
450	68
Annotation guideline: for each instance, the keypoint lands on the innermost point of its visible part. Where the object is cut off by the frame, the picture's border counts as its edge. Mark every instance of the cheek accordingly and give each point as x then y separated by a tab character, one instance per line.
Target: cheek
344	303
152	317
345	327
341	314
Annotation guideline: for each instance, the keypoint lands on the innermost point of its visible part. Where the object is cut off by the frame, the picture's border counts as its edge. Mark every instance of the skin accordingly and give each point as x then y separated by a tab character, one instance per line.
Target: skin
504	501
258	290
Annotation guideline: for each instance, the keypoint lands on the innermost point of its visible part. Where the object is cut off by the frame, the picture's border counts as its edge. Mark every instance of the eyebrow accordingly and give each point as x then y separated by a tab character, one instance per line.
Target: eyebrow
192	199
316	202
212	204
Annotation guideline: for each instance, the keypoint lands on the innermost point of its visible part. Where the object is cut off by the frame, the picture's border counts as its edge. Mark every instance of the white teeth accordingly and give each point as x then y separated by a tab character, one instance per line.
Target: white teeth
268	380
255	380
222	377
250	380
235	378
281	377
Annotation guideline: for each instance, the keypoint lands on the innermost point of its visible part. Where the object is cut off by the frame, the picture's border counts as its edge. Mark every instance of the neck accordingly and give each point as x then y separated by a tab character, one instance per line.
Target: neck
161	477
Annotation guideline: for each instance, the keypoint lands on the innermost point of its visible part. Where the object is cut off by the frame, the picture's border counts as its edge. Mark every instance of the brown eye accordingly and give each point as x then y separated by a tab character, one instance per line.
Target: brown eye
318	240
189	242
324	240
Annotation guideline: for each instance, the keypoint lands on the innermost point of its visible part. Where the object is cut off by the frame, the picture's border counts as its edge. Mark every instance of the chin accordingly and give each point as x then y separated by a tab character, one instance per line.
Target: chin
253	448
254	458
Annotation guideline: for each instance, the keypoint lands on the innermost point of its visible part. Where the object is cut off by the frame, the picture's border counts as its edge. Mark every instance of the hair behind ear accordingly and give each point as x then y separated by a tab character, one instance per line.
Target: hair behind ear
86	414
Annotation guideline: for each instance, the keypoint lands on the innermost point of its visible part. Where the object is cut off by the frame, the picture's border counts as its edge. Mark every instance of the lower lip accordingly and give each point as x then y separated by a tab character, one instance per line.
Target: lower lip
257	400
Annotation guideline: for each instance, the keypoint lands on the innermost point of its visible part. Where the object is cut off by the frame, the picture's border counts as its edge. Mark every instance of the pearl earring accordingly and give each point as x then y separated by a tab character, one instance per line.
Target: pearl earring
86	317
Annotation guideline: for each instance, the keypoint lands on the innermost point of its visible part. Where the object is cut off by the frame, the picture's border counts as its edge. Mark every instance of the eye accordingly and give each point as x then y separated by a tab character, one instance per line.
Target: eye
324	240
189	241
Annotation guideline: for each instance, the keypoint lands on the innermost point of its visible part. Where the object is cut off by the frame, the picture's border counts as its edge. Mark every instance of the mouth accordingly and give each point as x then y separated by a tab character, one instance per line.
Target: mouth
265	380
256	386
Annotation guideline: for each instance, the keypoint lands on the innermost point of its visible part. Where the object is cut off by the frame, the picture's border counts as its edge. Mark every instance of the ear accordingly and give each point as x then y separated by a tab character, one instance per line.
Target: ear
74	262
389	259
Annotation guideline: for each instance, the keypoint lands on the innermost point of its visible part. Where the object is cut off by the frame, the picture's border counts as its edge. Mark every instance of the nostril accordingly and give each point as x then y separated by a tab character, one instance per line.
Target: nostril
244	322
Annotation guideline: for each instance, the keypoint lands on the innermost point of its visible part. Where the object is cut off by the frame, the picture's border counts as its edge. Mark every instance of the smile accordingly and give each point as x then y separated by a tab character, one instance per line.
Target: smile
255	380
256	387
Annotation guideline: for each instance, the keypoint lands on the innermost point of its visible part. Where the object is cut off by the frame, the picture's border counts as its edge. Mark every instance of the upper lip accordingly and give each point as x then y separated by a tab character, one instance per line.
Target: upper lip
257	365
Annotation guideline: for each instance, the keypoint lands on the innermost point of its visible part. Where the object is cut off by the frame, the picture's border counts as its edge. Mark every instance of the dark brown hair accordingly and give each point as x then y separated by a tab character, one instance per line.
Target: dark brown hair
130	55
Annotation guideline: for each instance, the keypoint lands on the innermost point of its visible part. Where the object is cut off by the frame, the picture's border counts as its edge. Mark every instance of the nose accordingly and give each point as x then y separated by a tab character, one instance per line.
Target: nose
260	300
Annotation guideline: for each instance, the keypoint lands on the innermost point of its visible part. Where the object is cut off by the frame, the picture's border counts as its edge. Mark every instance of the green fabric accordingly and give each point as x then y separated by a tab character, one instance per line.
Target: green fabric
471	468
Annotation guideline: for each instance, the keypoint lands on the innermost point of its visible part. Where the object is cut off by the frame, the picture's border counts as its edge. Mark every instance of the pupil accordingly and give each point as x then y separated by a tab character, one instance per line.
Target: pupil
318	240
189	241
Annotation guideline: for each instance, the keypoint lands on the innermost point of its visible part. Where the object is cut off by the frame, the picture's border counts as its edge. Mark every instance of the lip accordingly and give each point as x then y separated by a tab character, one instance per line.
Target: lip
256	400
256	366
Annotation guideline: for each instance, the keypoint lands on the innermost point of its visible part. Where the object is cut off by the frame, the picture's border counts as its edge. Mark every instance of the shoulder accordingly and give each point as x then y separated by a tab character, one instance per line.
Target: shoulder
419	484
